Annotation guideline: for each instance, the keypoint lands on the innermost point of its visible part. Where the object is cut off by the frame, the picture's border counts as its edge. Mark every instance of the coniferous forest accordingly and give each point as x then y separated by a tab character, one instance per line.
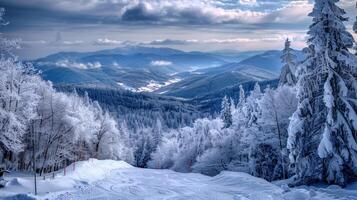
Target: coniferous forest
299	127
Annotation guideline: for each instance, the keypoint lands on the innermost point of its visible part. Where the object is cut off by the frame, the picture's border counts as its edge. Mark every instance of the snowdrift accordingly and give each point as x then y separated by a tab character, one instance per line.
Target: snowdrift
84	172
107	179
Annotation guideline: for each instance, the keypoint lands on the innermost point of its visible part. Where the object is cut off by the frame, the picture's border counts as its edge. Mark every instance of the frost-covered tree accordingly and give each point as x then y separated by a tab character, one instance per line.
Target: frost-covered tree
251	144
17	103
327	102
338	146
242	97
277	106
181	148
238	117
38	123
195	141
220	157
226	112
251	114
17	99
355	30
251	108
355	26
287	76
126	148
157	133
70	128
163	157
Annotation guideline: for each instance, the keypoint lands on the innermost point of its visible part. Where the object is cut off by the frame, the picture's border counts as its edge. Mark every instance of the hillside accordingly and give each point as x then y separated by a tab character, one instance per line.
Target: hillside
160	70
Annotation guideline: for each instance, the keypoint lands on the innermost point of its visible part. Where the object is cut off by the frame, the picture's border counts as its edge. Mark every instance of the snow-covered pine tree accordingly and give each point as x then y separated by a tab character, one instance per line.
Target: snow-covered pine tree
338	146
251	129
355	30
233	107
287	76
327	102
241	96
226	114
252	105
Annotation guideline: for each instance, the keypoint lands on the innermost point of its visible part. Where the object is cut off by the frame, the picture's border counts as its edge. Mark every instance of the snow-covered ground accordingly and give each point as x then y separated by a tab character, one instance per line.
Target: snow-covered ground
107	179
151	86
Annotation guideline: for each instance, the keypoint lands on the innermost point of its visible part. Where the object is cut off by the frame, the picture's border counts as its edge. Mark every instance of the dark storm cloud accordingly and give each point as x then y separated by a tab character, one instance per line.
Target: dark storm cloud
139	12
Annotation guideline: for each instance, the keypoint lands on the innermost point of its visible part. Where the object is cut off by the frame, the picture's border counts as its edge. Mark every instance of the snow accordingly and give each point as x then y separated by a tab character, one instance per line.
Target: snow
126	87
107	179
85	172
150	87
154	85
160	63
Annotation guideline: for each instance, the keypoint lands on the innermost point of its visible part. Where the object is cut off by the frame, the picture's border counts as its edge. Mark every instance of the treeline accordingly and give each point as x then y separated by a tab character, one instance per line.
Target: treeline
140	110
210	104
249	136
305	129
39	124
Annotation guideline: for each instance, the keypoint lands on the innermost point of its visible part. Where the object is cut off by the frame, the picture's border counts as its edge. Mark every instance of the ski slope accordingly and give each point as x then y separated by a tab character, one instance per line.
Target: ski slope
118	180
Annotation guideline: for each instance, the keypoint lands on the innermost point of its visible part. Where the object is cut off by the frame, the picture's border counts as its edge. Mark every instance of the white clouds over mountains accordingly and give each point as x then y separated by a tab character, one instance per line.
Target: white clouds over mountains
185	24
174	12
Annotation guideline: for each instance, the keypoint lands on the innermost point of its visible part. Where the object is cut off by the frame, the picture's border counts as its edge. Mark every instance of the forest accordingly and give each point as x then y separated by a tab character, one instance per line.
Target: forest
302	127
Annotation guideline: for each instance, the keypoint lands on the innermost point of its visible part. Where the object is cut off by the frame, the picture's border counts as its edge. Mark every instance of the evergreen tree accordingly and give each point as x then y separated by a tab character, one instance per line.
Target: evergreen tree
355	30
251	129
327	102
241	96
287	76
226	114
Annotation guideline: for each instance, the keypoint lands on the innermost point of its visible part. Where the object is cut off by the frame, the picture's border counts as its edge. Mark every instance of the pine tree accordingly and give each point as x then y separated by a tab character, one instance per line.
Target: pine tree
287	76
226	114
241	96
251	128
252	105
233	107
327	102
355	30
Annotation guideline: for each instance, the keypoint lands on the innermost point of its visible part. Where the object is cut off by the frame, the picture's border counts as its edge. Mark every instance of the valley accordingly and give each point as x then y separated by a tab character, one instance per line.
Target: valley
162	71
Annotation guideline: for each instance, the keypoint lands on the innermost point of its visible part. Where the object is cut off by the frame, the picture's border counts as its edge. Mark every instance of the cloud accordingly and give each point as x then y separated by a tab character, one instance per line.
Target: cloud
140	12
187	12
171	42
69	64
248	2
168	12
296	11
160	63
107	42
66	43
33	42
60	42
293	36
76	42
189	25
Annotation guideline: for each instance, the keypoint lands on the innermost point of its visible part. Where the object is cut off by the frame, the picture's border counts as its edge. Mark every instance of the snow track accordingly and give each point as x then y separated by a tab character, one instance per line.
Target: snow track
137	184
150	184
117	180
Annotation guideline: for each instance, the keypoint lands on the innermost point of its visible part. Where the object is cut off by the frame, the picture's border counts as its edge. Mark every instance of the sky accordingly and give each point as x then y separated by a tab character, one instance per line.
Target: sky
50	26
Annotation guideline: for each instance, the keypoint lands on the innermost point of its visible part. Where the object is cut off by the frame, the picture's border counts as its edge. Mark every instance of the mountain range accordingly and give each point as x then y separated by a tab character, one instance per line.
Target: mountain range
162	71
